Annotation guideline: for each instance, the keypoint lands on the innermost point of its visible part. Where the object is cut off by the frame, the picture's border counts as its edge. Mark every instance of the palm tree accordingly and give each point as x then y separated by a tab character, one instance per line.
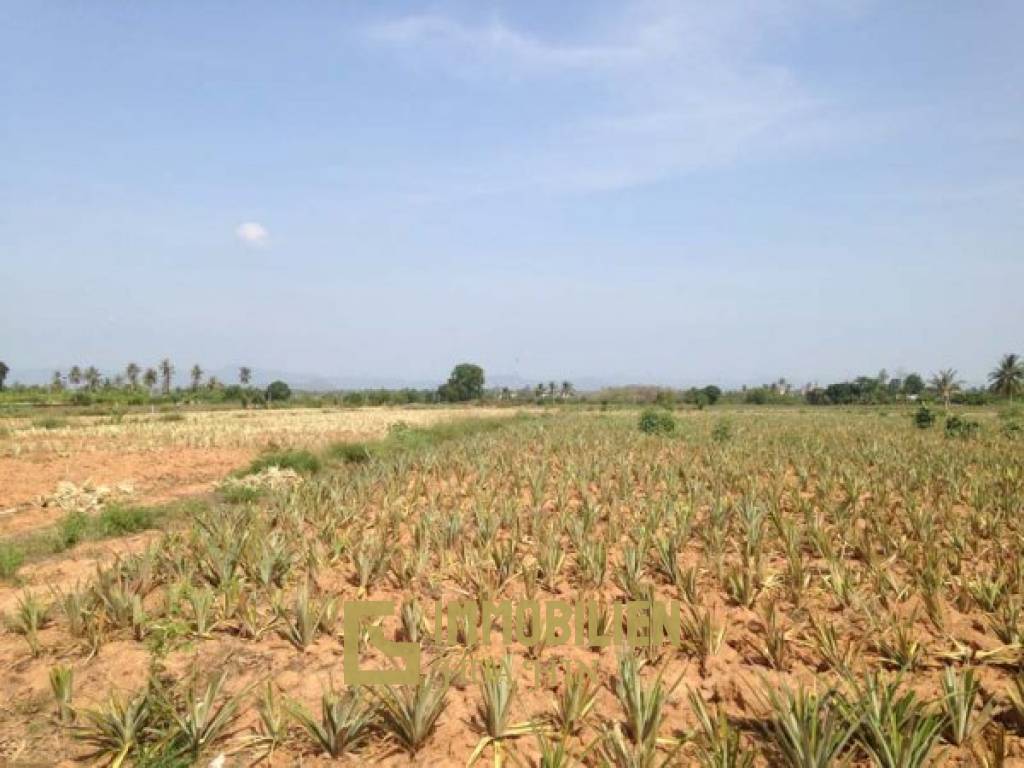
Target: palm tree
244	375
551	388
75	376
566	389
131	372
166	372
57	382
197	377
946	383
91	377
213	383
4	370
149	378
1008	377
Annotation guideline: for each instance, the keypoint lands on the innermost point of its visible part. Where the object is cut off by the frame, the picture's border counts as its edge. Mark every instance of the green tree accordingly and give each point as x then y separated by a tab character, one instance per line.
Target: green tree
712	393
1008	377
466	382
149	378
946	384
197	377
913	384
75	376
166	374
278	390
4	370
567	389
244	375
57	382
131	372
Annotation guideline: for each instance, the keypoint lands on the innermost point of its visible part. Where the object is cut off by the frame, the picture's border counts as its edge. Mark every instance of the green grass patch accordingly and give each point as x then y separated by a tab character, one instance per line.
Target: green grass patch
50	422
172	417
240	494
11	558
303	462
117	520
74	527
350	453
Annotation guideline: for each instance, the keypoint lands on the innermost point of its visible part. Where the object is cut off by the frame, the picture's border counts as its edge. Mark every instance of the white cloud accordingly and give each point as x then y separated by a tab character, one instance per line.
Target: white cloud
670	88
252	233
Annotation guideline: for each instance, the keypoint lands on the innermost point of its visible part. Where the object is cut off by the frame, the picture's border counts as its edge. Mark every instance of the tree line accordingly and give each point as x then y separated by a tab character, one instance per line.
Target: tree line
467	383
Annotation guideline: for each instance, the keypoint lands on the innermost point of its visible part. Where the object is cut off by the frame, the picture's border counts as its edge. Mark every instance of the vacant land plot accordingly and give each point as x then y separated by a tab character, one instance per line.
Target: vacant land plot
162	456
849	587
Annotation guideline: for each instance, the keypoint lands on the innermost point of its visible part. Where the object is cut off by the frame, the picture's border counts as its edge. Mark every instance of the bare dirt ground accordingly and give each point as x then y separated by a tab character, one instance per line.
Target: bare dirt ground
162	457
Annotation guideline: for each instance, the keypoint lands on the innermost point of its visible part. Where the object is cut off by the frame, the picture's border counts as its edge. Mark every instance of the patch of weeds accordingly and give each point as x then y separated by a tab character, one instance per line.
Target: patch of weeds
654	421
303	462
350	453
11	558
116	520
71	529
172	417
960	427
240	494
50	422
722	431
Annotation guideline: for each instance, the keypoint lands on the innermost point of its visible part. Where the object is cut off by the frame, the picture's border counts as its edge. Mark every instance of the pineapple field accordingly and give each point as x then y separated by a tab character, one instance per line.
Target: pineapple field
842	588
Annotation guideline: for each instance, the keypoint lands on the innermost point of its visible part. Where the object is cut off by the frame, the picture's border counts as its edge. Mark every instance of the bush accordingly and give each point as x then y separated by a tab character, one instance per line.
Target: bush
11	558
961	427
350	453
924	418
722	431
656	422
303	462
116	520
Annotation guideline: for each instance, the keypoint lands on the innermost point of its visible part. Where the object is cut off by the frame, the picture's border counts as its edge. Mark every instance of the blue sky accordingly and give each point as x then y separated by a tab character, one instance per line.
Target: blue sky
667	192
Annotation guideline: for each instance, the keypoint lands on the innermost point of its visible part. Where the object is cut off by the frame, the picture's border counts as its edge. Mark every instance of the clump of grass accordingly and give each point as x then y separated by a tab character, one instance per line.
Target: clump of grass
240	494
117	520
350	453
50	422
71	529
11	558
302	462
171	417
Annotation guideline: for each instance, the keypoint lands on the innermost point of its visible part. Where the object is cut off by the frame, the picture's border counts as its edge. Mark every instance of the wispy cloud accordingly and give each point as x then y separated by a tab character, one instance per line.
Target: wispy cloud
670	88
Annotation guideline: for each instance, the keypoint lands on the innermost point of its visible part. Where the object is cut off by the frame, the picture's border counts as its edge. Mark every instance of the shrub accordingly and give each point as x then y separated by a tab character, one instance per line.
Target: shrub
656	422
11	558
924	418
962	428
350	453
722	431
116	520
